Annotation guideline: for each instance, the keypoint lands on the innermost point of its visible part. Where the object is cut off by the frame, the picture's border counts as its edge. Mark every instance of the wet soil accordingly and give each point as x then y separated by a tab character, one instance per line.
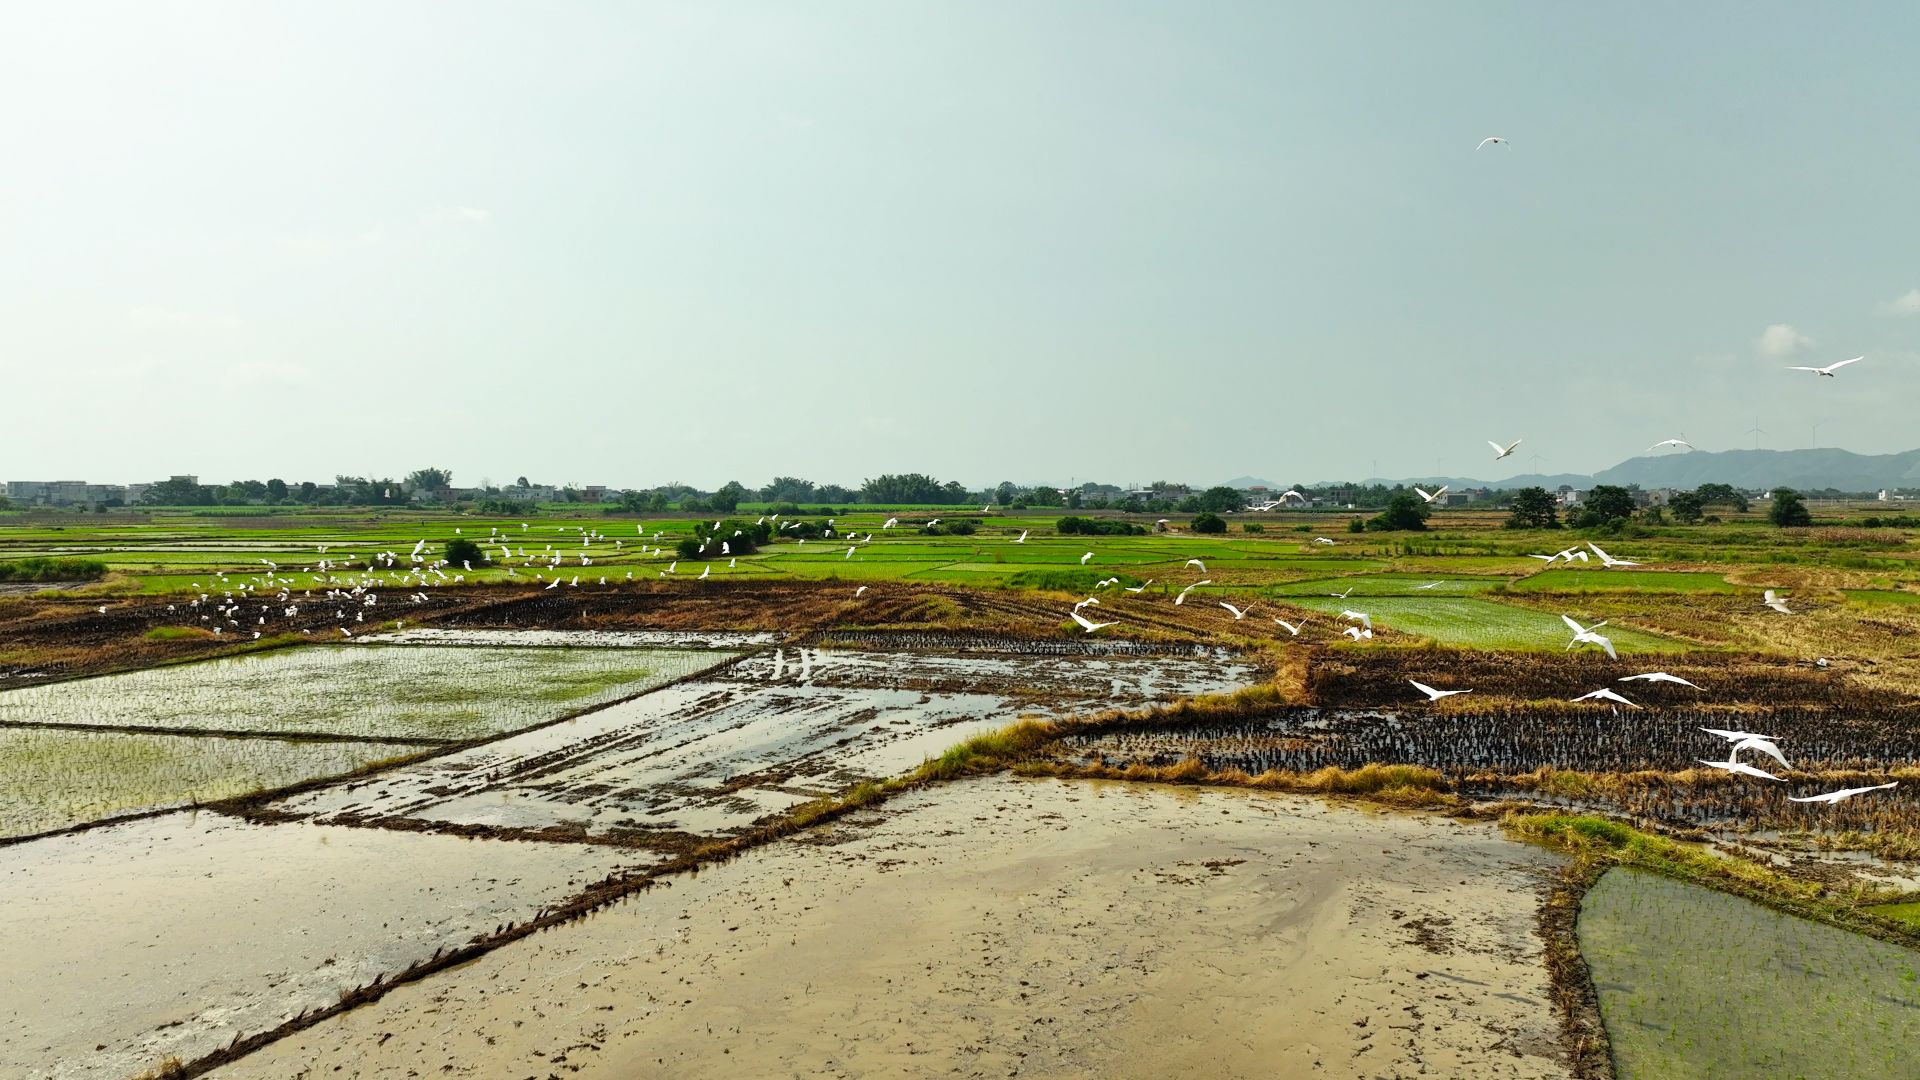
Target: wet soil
1005	927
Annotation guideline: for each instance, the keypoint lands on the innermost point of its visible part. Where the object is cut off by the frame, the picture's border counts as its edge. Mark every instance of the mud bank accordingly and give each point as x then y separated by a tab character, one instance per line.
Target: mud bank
1005	927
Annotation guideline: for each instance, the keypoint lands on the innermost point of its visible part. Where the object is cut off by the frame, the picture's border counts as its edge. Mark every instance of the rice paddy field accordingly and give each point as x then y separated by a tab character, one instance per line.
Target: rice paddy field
500	753
1695	983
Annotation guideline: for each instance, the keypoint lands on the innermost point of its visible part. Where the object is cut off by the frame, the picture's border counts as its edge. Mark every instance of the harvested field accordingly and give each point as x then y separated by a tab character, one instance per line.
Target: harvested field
1002	927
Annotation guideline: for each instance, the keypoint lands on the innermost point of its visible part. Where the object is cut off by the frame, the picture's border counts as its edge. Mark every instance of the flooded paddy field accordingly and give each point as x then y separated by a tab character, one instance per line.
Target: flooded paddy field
711	756
54	778
1001	926
1696	983
423	693
170	936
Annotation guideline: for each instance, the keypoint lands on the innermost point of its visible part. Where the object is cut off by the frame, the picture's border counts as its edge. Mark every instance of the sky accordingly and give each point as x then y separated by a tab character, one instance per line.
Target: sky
629	243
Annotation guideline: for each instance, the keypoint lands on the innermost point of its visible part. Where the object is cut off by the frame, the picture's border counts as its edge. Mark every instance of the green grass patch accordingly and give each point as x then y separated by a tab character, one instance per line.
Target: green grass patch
1480	624
1627	580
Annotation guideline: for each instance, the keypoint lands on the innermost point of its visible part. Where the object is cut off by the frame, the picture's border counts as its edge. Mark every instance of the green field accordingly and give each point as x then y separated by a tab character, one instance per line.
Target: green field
1625	580
1480	624
53	778
1696	983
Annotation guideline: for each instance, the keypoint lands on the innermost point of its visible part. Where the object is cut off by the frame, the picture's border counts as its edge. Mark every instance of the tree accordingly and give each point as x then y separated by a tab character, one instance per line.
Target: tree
1532	509
277	490
431	481
522	483
1006	494
1404	513
464	553
1220	500
1687	506
728	497
1721	495
1788	509
1208	523
1605	503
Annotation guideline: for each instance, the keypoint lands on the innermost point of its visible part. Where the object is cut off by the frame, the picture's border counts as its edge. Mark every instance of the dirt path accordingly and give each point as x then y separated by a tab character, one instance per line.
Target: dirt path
1005	927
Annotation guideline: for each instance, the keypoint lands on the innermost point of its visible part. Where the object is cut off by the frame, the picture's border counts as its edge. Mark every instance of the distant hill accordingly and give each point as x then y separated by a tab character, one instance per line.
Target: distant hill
1746	469
1242	483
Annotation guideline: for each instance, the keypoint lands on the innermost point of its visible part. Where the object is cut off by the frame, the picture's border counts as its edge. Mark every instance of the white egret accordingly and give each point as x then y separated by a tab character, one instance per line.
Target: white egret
1356	633
1342	595
1088	624
1198	563
1739	767
1084	558
704	571
1604	694
1433	694
1182	598
1428	585
1323	540
1424	497
1493	140
1365	619
1763	745
1775	602
1023	536
1667	442
850	550
1084	603
1238	613
1138	589
1608	560
1655	676
1829	369
859	592
1833	797
1585	635
891	522
1292	630
1502	451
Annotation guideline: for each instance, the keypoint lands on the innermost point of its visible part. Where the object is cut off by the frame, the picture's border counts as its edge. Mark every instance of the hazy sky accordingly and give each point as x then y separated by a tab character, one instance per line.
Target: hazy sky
625	243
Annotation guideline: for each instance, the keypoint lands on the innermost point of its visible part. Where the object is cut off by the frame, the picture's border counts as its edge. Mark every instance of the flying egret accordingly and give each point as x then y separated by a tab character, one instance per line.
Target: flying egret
1198	563
1084	558
1492	140
1608	560
1323	540
1656	676
859	592
1775	602
1833	797
1739	767
1342	595
1502	451
1292	630
1182	598
1138	589
1088	624
1238	613
850	548
1356	633
1365	619
891	522
1432	694
704	571
1829	369
1585	635
1667	442
1604	694
1763	745
1105	583
1428	585
1084	603
1023	536
1424	497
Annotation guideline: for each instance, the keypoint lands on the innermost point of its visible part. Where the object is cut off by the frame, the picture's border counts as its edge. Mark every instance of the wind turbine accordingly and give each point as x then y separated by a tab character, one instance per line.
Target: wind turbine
1756	431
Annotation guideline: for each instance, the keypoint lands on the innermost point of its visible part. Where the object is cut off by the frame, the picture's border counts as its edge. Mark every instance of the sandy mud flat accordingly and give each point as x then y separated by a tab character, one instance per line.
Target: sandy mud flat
129	944
1005	927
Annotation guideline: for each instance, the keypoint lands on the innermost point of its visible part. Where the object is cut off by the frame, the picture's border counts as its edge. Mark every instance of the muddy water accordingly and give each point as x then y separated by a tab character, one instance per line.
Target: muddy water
1007	927
129	944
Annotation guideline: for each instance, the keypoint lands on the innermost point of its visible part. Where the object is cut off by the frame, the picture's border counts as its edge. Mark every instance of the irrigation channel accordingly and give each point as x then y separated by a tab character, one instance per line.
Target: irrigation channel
547	774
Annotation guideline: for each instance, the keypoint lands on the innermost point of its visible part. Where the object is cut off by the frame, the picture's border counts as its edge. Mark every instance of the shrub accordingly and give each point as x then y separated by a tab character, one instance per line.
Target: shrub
1403	513
1788	510
41	569
740	537
1253	527
464	552
1208	523
1082	526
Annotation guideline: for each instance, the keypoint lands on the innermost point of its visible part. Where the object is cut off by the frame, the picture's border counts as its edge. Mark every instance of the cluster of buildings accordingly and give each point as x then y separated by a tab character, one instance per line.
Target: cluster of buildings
71	493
